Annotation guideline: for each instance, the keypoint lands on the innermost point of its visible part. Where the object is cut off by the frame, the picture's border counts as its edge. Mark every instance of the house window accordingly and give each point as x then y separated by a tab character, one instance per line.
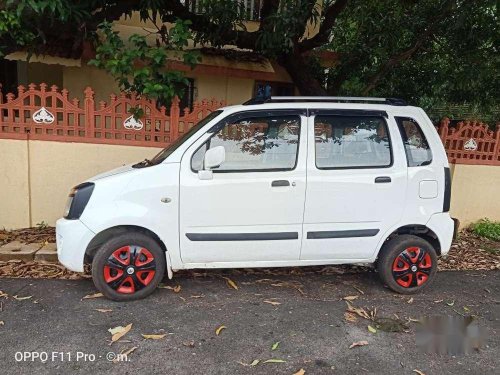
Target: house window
277	88
187	99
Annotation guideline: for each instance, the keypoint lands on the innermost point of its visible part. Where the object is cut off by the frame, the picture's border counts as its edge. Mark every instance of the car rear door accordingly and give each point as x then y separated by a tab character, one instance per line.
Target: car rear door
356	183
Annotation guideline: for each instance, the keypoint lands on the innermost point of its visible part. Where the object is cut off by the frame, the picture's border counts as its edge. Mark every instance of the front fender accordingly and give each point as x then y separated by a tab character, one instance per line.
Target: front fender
140	201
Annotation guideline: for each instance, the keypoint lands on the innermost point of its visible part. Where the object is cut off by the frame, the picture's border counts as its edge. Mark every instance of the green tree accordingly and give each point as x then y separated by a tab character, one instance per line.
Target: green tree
427	51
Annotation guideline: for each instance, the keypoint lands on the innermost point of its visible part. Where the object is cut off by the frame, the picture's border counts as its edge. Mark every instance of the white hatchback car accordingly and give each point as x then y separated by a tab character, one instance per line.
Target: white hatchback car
287	181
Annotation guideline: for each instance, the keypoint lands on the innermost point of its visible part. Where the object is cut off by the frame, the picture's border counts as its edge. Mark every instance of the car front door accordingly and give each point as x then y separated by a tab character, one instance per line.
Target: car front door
356	184
252	208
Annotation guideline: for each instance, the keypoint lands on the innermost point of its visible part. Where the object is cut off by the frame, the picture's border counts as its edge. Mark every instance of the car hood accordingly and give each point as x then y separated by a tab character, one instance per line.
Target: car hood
113	172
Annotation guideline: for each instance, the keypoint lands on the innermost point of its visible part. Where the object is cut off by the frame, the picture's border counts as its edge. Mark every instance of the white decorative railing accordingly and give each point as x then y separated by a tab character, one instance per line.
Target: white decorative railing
250	9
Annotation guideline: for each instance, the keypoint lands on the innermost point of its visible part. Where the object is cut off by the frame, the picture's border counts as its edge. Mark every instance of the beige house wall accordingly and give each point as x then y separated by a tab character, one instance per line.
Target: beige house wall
76	79
56	167
231	89
14	185
475	193
37	176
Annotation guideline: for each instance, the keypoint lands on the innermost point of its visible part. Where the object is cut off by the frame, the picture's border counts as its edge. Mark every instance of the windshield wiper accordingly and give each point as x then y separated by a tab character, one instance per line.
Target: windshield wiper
143	164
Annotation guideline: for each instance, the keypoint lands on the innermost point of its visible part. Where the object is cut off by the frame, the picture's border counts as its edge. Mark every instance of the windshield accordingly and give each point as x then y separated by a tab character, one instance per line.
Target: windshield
163	154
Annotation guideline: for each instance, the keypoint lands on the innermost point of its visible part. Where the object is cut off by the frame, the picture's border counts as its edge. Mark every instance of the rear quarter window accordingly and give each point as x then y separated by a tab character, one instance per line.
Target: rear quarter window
418	152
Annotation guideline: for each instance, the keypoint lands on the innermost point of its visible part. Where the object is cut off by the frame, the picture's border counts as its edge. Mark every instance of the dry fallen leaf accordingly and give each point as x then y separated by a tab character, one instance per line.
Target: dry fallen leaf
410	300
418	372
104	310
358	343
255	362
359	290
153	337
350	317
275	345
95	295
124	354
2	323
350	298
22	298
361	312
175	289
218	330
292	284
189	344
274	303
3	294
118	332
300	372
450	303
274	360
231	283
371	329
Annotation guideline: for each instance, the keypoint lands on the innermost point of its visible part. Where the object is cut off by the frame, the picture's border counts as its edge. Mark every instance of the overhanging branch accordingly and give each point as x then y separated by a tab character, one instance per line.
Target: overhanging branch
322	37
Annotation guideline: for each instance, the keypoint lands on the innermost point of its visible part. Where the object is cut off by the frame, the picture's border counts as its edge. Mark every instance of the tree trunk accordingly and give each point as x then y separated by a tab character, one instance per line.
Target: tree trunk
296	65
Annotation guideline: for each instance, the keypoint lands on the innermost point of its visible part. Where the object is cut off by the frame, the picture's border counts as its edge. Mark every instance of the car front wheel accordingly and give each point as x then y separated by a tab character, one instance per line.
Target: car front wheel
128	267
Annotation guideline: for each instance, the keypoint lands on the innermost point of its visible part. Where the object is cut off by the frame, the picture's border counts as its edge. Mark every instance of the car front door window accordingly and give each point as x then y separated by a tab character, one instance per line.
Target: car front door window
266	143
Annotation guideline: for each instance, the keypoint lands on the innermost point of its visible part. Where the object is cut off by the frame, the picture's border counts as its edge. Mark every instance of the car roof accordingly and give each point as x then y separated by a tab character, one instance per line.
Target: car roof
320	105
323	102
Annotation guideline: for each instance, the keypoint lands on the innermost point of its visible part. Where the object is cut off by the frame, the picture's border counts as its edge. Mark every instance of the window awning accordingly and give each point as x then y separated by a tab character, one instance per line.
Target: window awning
44	59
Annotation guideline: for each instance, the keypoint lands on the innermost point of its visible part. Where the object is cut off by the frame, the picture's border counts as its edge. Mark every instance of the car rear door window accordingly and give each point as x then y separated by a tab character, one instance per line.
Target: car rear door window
351	142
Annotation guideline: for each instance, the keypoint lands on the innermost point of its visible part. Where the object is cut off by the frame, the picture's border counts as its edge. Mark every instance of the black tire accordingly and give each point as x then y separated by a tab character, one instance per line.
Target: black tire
126	279
402	268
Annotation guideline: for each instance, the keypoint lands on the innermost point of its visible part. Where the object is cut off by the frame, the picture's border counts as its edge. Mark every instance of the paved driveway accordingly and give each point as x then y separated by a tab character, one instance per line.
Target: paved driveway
304	313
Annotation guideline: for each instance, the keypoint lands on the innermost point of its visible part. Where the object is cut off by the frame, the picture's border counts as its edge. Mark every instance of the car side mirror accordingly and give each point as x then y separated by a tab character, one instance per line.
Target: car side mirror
214	157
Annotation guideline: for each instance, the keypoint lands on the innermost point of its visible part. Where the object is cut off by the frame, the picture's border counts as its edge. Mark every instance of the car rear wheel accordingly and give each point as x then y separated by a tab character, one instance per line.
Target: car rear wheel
128	267
407	264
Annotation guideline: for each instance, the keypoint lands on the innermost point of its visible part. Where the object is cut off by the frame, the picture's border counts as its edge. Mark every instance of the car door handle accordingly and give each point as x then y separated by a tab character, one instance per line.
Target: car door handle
382	180
277	183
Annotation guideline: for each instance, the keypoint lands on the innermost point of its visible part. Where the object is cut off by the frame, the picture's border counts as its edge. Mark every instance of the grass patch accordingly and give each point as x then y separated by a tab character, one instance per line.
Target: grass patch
488	229
492	250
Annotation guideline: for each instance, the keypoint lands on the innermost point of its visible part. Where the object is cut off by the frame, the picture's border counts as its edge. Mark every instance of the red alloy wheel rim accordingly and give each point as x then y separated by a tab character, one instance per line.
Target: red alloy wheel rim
129	269
412	267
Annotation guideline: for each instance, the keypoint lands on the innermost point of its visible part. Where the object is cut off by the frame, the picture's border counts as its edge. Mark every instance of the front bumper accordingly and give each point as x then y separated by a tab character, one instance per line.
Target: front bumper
72	237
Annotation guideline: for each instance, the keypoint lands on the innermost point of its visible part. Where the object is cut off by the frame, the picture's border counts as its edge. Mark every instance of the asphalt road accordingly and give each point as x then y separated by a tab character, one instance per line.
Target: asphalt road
309	323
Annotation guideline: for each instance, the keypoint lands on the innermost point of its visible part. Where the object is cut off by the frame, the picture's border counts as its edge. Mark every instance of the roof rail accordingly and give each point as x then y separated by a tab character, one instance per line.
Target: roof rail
338	99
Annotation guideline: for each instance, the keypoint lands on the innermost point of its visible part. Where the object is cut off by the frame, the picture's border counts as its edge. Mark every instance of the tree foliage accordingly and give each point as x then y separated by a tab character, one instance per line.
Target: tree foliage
430	55
430	52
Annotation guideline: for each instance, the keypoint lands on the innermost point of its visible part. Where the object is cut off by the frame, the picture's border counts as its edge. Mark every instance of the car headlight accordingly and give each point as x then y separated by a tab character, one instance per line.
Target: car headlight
78	198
